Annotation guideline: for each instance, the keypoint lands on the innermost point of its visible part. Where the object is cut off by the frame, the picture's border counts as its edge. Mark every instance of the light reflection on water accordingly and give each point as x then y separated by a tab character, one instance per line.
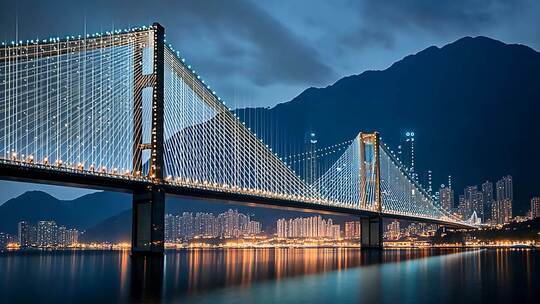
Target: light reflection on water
273	275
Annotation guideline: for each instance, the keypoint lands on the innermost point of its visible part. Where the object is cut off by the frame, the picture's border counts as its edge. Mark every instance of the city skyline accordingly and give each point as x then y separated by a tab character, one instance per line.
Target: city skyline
283	152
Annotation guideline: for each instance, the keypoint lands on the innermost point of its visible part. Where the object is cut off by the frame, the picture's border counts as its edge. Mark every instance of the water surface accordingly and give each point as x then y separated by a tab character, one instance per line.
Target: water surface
274	276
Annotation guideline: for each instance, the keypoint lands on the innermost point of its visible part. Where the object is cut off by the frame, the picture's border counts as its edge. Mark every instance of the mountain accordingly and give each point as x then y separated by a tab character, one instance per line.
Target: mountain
80	213
473	104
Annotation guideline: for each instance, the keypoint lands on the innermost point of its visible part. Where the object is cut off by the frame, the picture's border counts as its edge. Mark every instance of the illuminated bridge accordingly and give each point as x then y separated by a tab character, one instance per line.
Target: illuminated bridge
123	111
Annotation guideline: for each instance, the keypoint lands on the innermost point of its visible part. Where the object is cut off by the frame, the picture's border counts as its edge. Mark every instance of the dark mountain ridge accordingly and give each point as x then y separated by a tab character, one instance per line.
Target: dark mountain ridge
80	213
474	105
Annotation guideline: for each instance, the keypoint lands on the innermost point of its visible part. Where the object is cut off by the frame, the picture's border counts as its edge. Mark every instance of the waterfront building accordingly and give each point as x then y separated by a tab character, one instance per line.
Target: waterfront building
446	195
535	207
487	199
502	211
4	240
352	230
308	227
169	223
230	224
393	230
502	208
281	228
505	189
474	202
67	237
462	207
23	233
47	233
33	235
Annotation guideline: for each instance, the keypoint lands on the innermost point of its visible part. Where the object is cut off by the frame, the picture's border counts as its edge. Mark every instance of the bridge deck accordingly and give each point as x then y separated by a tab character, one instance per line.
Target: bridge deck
20	171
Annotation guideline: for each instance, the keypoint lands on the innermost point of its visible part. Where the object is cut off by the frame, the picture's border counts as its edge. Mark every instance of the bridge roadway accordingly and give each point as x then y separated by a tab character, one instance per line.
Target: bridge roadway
21	171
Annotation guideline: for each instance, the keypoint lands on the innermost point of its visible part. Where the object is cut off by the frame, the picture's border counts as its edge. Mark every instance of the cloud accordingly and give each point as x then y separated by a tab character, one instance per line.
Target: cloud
382	21
248	39
267	50
256	49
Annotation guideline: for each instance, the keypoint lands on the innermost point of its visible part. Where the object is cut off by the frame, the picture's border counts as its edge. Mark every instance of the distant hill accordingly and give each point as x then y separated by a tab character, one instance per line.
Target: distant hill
106	216
474	105
80	213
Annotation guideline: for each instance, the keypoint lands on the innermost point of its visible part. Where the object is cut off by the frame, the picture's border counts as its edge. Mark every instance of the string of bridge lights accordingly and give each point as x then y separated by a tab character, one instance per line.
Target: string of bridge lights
68	104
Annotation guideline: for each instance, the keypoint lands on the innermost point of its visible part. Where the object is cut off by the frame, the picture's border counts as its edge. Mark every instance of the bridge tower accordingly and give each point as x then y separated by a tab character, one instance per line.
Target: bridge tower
149	201
371	228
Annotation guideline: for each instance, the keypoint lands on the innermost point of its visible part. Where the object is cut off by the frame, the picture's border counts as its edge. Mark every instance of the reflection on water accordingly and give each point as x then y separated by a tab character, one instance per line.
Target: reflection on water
273	275
220	268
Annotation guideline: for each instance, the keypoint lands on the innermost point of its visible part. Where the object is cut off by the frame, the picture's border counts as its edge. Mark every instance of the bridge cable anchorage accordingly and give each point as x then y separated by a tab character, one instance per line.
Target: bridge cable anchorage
86	105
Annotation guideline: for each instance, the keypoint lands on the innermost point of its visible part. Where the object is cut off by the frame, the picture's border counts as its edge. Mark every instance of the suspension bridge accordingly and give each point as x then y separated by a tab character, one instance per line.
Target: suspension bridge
122	110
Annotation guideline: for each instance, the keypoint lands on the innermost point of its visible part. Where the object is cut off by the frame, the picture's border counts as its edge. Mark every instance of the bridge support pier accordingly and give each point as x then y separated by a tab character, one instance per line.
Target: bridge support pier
149	202
371	232
147	234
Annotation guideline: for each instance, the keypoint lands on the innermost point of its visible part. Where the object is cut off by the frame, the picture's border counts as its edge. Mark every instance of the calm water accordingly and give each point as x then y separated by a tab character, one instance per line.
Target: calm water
274	276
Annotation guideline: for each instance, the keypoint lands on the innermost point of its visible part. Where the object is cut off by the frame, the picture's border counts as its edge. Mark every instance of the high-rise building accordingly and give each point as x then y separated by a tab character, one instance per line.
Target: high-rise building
352	230
47	233
72	236
33	235
310	161
168	228
67	237
4	240
308	227
228	225
393	231
487	199
282	228
462	207
473	202
501	211
535	207
23	232
505	188
446	195
62	236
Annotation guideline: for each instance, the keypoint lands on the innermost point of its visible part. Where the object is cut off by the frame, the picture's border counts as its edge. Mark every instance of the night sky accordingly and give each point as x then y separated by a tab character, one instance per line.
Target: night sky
260	53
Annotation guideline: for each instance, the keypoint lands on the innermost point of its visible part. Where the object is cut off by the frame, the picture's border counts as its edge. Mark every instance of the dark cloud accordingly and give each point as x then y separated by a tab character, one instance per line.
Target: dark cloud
273	50
269	51
237	37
